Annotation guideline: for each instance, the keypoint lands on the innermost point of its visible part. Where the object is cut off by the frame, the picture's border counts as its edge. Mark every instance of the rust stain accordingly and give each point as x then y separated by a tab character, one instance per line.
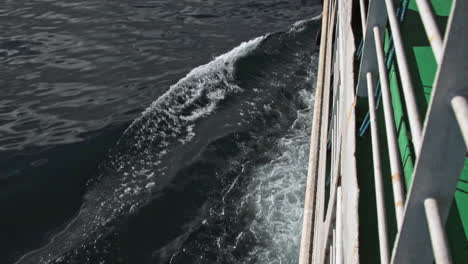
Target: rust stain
396	177
356	250
351	110
399	204
433	38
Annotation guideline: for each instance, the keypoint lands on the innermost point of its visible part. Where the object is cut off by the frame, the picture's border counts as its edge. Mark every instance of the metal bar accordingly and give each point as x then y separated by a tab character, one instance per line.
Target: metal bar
309	203
376	16
437	232
332	203
393	152
339	226
431	28
442	153
460	108
379	191
326	225
336	97
362	8
318	244
350	190
333	256
408	89
332	155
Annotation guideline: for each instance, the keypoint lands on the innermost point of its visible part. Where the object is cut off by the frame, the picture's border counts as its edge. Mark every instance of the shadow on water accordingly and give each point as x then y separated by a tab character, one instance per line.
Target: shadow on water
42	189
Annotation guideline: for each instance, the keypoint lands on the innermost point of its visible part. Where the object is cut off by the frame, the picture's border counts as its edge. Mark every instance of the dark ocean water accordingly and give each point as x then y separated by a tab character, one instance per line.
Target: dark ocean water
212	172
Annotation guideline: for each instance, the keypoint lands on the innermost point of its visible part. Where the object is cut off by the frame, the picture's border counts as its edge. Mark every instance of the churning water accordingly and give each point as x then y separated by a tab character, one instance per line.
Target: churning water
213	171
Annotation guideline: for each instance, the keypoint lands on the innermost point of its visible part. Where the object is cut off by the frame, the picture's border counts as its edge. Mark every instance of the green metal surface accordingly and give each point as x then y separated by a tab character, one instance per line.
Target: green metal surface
423	69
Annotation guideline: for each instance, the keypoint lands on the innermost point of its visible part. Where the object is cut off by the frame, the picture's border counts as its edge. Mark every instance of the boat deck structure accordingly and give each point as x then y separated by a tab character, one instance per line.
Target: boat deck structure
388	169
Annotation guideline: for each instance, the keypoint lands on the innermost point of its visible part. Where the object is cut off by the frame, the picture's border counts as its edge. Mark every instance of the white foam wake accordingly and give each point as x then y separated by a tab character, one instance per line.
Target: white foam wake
276	194
224	62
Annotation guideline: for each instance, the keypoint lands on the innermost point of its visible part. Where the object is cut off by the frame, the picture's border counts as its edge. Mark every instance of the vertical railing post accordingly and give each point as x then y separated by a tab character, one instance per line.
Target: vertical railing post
362	9
430	26
379	191
405	76
339	227
460	109
437	232
393	152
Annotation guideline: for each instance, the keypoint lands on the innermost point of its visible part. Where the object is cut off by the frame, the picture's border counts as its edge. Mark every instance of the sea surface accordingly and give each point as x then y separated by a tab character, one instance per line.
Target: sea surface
169	131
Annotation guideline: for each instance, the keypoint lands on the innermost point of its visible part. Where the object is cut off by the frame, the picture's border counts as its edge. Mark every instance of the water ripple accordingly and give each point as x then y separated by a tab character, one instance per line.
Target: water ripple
89	64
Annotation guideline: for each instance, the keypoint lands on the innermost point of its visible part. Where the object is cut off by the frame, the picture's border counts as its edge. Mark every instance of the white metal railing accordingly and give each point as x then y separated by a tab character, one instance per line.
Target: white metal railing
431	28
363	12
460	109
437	232
414	240
319	245
308	229
405	77
440	143
379	190
442	153
322	236
394	154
